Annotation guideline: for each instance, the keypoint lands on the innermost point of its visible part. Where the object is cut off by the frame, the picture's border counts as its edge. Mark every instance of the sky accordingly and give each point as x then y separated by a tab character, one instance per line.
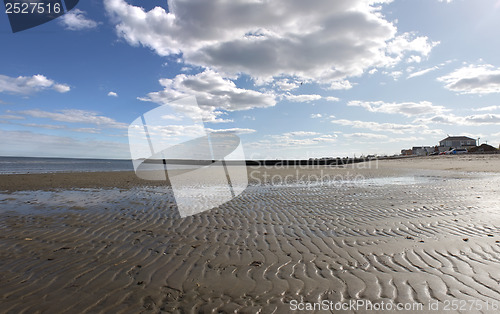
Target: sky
293	78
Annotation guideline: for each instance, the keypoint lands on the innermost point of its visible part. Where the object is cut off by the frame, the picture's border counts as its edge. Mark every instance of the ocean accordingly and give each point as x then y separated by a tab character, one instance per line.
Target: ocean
20	165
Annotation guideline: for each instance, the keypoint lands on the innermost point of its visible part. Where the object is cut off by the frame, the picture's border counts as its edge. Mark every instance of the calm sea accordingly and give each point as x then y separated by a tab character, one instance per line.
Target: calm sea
9	165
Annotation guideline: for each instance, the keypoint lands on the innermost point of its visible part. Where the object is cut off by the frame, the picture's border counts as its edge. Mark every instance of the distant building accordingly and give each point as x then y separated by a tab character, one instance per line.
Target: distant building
406	152
422	150
456	142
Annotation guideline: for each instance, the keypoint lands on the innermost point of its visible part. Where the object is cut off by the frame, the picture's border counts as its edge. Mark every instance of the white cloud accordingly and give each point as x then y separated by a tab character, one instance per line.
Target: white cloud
409	42
320	41
61	88
331	98
422	72
176	130
212	92
341	84
316	115
394	74
489	108
74	116
416	59
479	119
473	79
44	126
233	130
76	20
407	108
11	117
171	117
29	84
112	94
286	85
295	139
87	130
367	136
388	127
300	133
302	98
412	139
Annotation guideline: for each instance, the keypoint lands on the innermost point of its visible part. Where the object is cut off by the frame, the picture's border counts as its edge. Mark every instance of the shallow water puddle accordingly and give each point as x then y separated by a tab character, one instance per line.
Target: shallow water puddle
392	181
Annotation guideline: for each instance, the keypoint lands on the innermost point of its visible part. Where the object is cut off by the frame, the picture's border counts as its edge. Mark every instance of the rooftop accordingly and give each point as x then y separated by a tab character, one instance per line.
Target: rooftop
458	138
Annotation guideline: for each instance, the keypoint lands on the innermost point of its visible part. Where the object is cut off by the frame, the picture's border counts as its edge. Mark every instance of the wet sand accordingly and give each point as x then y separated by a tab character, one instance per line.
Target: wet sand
407	231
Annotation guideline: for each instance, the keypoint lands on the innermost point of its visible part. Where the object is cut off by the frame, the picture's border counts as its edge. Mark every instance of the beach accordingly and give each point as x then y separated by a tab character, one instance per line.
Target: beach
420	235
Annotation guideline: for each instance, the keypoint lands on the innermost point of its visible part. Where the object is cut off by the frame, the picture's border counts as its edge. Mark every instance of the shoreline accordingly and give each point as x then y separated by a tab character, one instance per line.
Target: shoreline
260	174
127	249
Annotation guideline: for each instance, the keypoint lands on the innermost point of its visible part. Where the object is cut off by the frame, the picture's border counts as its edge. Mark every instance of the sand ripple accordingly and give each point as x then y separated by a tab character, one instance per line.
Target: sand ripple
129	251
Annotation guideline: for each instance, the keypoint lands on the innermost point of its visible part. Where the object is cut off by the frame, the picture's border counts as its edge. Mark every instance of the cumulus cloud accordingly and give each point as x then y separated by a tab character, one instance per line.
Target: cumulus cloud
406	108
112	94
341	84
409	42
321	41
76	20
74	116
286	85
212	91
61	88
29	84
473	79
316	115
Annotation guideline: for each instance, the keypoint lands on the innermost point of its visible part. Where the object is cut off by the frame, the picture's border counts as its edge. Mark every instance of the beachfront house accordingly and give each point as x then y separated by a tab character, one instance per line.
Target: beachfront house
422	150
406	152
456	142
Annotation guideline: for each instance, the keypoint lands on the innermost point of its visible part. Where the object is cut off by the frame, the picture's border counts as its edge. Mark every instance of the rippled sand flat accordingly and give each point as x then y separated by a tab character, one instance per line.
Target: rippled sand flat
411	237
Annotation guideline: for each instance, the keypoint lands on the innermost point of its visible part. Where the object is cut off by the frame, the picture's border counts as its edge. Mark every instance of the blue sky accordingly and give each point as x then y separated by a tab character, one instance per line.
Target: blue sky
295	79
